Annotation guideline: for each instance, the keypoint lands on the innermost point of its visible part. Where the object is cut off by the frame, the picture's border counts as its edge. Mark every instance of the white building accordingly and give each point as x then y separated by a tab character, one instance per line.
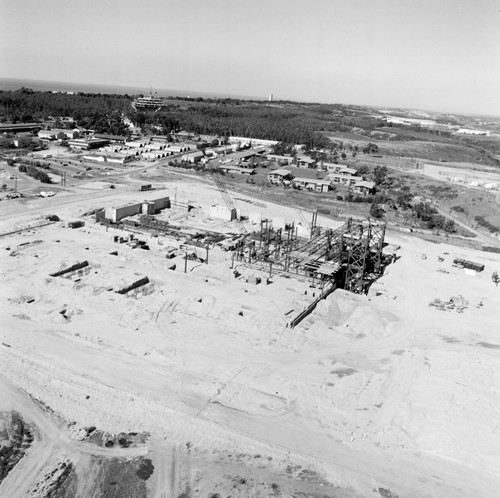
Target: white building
223	213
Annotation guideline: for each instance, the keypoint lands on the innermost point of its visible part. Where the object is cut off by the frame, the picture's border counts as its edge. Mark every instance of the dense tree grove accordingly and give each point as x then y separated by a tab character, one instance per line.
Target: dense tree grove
95	111
257	121
35	173
287	122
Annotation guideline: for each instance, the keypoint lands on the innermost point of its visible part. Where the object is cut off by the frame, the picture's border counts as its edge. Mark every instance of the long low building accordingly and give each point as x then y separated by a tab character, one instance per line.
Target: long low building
231	168
114	139
87	143
58	133
253	141
343	179
280	159
313	184
17	127
115	214
114	159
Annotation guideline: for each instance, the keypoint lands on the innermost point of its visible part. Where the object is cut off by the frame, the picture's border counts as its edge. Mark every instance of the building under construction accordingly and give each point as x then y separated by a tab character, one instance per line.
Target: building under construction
349	257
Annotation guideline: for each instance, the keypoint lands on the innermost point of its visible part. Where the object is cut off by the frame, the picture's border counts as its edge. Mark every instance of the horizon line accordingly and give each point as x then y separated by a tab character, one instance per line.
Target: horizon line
206	94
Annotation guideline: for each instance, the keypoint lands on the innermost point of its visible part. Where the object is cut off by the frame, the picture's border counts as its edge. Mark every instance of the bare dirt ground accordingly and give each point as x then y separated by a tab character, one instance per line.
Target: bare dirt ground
378	395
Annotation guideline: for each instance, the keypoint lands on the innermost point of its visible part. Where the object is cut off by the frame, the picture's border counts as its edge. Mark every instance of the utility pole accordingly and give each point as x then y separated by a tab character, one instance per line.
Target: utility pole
15	184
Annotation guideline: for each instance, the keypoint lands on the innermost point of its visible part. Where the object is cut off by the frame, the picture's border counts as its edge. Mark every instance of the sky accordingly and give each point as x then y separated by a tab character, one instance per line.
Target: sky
439	55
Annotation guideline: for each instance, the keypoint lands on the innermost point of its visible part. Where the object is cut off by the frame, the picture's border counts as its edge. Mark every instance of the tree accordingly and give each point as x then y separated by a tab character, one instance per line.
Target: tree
424	211
376	210
449	226
403	198
379	175
370	148
495	278
363	170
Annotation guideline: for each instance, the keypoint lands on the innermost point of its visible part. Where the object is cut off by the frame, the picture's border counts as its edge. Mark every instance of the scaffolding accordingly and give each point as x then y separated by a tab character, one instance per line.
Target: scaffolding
349	256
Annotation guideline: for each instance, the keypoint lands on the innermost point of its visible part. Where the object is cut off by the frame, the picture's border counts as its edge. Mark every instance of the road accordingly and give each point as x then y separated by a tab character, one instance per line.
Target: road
481	236
51	445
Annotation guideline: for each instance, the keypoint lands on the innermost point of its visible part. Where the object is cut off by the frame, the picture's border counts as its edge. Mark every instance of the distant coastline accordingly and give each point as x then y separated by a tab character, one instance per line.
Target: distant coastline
9	84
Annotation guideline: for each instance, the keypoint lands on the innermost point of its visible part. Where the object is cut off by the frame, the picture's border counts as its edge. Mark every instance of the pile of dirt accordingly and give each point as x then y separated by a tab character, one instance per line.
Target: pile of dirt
60	482
108	440
15	438
354	315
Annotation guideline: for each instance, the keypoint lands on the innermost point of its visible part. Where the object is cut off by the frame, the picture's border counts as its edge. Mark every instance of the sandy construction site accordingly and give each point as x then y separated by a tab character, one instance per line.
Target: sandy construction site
194	385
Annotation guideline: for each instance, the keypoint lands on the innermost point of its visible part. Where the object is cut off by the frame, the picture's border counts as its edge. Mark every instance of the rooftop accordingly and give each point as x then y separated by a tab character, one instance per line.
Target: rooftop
365	183
305	159
281	172
307	173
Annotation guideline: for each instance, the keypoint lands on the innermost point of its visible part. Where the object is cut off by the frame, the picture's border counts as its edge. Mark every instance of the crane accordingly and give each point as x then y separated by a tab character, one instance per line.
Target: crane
225	196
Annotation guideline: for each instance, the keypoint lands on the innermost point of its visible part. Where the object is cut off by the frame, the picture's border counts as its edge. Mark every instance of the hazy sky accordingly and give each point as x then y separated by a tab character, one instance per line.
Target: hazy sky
427	54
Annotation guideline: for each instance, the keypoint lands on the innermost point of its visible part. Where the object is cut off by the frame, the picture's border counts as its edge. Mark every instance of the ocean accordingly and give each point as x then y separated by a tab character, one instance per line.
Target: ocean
39	85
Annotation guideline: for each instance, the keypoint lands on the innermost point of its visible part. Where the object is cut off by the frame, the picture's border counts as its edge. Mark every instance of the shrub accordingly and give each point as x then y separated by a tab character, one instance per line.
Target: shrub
486	224
145	469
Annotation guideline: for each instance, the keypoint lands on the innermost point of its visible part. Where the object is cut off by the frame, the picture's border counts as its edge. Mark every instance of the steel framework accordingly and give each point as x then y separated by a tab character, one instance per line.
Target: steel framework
349	256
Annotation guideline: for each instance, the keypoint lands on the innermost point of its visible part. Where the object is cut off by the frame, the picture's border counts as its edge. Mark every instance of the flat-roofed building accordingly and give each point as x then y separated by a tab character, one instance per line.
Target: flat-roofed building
253	141
339	169
18	127
116	214
280	159
343	179
58	134
313	184
113	139
193	157
87	143
231	168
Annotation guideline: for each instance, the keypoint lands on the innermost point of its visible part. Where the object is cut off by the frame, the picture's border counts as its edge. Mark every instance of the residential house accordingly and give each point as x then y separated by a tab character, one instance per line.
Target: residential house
305	162
364	187
347	180
280	176
313	184
280	159
344	170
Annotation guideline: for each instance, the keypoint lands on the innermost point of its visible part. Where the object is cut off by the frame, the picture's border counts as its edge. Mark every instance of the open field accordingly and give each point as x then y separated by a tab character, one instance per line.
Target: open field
378	395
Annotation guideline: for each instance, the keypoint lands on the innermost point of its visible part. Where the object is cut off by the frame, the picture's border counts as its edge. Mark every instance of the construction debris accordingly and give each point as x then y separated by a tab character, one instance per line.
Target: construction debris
457	303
